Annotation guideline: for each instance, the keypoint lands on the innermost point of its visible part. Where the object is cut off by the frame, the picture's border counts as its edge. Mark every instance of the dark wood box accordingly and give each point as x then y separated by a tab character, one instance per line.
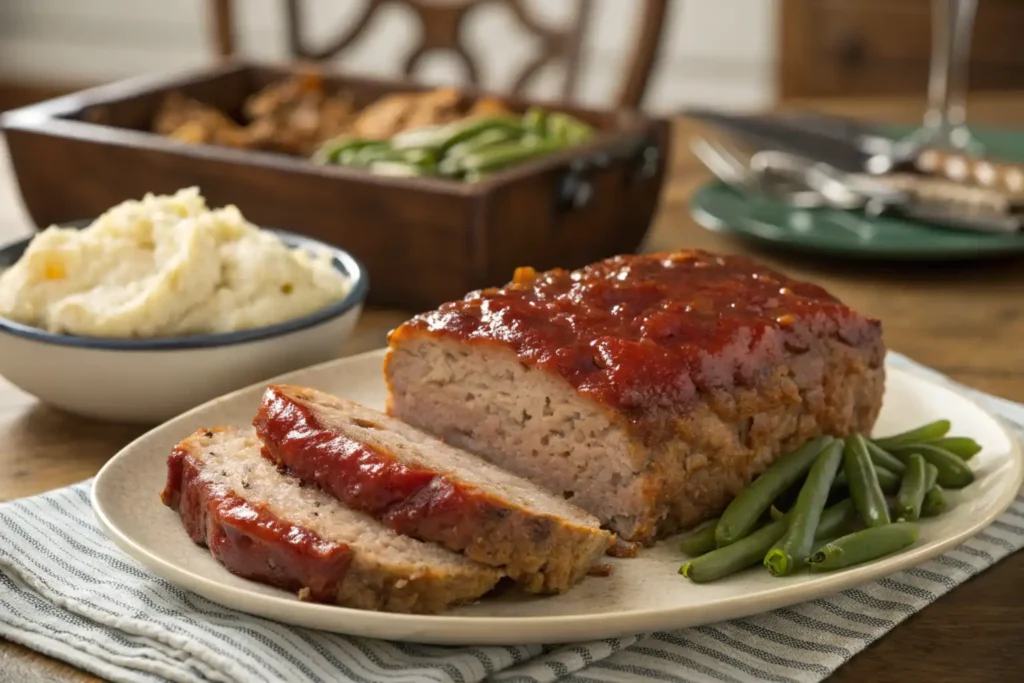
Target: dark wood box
423	240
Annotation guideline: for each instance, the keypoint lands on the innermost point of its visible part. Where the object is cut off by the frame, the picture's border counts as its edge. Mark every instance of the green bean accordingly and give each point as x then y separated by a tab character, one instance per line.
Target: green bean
480	141
424	136
378	150
912	489
420	156
954	473
883	458
443	138
399	169
806	513
863	546
935	502
834	521
750	550
865	490
735	557
535	121
331	151
502	155
745	509
700	541
963	447
931	475
932	430
887	479
568	129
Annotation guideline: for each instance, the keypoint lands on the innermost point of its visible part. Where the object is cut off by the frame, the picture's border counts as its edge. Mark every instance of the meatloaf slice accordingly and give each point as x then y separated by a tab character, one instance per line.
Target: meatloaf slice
649	390
426	489
268	527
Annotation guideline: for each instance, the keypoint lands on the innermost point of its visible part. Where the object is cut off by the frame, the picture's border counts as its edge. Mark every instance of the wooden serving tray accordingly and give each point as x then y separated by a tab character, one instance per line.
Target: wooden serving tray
424	240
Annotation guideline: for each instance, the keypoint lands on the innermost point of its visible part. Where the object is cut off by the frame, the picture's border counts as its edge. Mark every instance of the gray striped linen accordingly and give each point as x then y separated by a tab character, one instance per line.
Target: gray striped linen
66	591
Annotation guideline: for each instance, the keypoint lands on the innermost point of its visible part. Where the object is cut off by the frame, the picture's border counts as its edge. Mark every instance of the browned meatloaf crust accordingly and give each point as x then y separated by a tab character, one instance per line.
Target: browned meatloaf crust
426	489
268	527
649	390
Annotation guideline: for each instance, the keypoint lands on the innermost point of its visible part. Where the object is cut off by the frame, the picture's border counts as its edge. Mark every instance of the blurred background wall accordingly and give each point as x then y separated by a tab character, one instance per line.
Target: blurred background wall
730	54
719	52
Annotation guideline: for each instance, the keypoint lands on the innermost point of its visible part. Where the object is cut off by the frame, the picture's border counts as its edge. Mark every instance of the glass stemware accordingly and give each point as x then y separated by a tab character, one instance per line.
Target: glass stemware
945	121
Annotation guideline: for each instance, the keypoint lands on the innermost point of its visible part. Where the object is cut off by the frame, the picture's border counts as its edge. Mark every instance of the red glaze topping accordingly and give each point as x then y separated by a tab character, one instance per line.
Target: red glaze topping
248	539
648	331
413	501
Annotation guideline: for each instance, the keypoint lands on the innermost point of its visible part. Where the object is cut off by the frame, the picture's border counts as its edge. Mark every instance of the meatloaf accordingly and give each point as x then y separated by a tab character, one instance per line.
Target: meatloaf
649	390
426	489
269	527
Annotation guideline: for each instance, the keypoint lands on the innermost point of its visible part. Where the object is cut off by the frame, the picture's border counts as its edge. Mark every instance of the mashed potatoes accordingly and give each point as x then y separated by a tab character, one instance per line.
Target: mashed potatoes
165	266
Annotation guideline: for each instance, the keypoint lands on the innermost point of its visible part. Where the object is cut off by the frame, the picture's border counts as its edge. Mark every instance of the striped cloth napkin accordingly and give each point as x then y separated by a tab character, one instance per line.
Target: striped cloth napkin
69	593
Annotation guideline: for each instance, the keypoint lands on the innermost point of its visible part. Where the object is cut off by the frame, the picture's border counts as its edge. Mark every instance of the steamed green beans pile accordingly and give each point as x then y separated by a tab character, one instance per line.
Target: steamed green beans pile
468	149
859	500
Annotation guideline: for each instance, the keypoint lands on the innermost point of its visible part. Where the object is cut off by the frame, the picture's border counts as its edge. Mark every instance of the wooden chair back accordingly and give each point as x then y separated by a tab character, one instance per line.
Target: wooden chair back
442	31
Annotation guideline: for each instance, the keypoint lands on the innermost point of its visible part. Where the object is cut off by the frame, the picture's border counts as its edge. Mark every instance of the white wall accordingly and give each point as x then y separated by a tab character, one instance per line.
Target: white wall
719	52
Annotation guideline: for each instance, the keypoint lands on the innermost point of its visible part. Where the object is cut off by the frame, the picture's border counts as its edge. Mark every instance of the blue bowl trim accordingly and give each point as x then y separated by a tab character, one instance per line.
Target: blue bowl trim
341	260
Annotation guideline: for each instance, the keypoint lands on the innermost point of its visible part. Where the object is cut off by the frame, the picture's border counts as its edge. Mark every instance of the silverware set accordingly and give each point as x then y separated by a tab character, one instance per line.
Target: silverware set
806	183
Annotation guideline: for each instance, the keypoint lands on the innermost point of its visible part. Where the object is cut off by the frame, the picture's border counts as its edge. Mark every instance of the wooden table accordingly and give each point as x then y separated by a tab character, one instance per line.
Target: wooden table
966	320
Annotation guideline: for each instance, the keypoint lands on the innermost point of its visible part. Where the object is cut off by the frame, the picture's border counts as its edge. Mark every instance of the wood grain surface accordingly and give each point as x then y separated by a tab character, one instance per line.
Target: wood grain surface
966	319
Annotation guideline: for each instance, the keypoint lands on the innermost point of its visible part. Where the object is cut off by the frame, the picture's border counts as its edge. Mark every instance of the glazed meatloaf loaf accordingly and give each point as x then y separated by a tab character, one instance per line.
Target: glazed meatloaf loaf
426	489
649	390
268	527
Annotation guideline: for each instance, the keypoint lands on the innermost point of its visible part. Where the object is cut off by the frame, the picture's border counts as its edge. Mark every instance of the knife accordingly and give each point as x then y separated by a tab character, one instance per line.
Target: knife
838	143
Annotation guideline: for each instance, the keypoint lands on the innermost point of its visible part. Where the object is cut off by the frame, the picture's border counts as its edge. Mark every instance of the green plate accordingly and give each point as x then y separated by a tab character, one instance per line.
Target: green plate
718	207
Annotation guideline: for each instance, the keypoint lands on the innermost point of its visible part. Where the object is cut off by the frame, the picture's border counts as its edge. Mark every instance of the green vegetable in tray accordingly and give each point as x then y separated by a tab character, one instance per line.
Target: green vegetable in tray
467	149
331	152
796	544
378	150
503	155
566	128
427	136
443	138
482	140
864	546
865	490
928	432
746	509
750	550
420	156
535	121
912	489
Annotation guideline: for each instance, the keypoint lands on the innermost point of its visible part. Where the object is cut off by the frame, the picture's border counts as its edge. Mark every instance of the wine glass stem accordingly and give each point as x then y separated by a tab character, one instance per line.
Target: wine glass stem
952	26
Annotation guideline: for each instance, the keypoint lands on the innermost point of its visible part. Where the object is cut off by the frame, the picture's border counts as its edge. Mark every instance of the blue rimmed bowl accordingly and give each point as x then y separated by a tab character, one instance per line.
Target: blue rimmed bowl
152	380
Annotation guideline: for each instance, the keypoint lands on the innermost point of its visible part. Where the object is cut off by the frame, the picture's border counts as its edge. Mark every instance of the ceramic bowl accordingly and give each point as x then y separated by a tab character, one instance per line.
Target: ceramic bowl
152	380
